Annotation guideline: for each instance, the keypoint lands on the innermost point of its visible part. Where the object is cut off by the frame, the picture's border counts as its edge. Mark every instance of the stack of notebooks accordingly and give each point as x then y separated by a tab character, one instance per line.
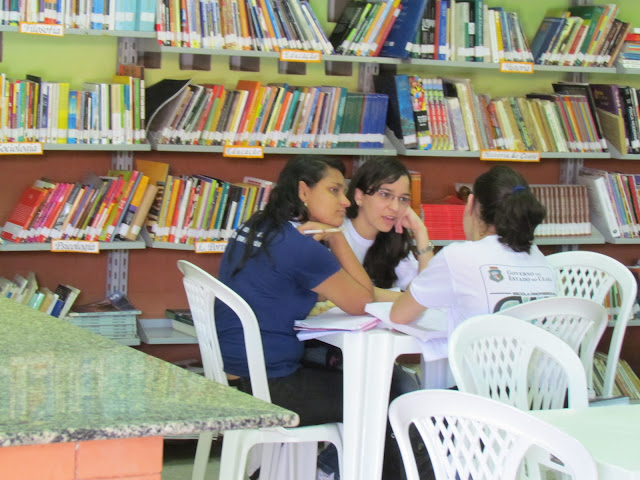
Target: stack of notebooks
272	115
114	317
332	321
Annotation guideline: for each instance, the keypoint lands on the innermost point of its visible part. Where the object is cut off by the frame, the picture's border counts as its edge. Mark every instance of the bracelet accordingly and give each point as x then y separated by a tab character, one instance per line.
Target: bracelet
429	248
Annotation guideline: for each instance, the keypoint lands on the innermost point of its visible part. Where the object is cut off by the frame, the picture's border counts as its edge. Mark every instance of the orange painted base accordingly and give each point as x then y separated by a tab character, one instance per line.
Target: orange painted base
117	459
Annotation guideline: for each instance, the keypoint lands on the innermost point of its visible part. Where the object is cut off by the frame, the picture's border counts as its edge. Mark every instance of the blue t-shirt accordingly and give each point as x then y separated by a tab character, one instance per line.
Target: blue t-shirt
277	287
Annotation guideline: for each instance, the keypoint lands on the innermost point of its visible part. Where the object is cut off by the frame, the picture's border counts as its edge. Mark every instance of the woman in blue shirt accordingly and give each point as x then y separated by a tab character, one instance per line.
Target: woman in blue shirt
282	272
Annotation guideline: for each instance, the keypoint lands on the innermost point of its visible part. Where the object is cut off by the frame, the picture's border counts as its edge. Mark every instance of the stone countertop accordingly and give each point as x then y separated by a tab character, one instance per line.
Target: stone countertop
61	383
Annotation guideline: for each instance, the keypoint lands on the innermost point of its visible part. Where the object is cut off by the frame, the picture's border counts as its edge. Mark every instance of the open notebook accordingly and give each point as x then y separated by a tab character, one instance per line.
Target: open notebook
331	321
432	323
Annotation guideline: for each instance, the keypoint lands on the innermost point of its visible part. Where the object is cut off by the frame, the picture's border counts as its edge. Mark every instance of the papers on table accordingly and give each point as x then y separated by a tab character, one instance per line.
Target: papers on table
430	328
331	321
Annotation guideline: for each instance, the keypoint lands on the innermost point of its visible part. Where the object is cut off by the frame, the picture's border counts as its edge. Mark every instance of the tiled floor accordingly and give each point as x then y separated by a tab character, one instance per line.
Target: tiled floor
179	456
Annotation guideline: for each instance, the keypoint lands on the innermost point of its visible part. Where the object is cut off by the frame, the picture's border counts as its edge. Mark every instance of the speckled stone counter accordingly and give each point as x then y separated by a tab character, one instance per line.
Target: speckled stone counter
60	383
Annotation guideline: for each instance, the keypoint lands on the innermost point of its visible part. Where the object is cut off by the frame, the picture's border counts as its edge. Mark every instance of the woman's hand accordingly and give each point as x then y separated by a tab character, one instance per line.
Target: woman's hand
413	222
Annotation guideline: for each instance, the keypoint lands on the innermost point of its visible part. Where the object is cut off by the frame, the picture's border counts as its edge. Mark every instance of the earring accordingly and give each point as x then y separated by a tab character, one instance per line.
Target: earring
304	203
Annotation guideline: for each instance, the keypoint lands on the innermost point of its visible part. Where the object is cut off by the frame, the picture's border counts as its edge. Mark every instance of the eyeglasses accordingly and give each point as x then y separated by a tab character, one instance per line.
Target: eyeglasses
387	196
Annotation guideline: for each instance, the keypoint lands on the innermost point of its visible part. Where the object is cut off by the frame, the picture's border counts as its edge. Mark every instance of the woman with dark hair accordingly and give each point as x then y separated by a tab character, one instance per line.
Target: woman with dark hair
497	264
280	268
387	236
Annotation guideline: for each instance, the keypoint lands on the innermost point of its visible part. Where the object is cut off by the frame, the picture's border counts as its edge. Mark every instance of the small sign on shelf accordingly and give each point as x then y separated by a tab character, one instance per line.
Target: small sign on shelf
243	151
306	56
516	67
75	246
52	30
20	148
216	246
509	156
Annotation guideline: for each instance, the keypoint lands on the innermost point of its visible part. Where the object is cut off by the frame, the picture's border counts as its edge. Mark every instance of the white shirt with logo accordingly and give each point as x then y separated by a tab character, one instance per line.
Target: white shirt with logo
485	276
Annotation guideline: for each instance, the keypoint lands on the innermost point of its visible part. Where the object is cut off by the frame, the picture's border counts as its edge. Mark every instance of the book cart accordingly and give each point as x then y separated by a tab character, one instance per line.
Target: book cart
149	274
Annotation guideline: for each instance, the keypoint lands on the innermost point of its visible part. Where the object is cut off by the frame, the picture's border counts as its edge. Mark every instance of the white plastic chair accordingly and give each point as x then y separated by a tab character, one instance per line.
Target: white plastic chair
515	362
580	322
591	275
202	289
469	437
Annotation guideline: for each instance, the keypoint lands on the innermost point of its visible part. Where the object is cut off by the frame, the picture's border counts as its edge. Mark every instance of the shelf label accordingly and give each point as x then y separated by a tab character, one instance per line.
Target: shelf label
20	148
243	151
41	29
75	246
516	67
217	246
509	156
306	56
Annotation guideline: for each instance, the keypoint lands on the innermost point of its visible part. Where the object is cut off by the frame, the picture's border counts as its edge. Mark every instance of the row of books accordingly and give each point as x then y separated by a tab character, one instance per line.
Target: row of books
266	25
469	31
568	213
614	199
107	208
626	383
32	110
581	35
269	115
446	114
27	291
618	108
197	208
130	15
630	54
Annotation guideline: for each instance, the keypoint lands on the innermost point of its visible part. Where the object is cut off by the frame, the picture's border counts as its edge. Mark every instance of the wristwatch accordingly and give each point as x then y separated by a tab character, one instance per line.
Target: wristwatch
429	248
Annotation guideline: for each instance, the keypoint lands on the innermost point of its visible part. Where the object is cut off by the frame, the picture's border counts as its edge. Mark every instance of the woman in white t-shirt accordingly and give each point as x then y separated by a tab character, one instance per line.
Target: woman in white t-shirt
387	236
498	265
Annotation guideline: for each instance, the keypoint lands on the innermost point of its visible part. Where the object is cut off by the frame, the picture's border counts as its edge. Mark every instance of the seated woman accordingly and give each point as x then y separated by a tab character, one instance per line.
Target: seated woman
280	271
498	263
387	236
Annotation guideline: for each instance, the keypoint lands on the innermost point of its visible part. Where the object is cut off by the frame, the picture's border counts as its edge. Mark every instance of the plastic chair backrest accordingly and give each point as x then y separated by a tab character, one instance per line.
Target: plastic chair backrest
580	322
499	357
472	437
591	275
202	290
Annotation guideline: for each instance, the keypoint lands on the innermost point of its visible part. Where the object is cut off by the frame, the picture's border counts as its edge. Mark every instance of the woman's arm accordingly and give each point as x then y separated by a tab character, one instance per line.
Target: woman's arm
350	288
413	222
406	309
384	295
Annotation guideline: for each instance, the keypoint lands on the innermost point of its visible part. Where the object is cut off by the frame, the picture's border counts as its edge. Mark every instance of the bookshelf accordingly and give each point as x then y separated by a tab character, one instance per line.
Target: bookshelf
150	268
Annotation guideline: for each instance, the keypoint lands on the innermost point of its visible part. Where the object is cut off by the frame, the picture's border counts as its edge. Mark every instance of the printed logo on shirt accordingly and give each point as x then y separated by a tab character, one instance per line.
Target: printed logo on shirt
506	285
495	274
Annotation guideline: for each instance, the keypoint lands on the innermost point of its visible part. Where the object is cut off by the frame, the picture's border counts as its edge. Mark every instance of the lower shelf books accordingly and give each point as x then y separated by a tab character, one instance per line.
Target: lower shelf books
181	320
444	222
567	210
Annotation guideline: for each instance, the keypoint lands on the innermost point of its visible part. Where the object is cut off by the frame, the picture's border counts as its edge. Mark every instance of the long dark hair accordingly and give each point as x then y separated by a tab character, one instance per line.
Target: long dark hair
507	203
390	247
284	202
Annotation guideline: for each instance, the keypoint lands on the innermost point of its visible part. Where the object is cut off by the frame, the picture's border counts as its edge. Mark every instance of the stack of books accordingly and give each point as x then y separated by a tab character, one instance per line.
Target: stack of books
444	222
25	290
567	210
274	115
266	25
53	112
114	317
105	208
584	35
181	320
626	382
630	53
614	202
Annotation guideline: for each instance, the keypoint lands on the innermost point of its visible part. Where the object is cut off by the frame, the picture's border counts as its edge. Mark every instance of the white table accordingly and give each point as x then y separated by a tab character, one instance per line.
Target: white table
368	359
610	433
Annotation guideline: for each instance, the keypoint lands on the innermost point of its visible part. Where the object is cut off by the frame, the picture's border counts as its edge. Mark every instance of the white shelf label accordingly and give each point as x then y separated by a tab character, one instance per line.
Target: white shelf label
20	148
308	56
516	67
510	156
246	152
211	247
75	246
41	29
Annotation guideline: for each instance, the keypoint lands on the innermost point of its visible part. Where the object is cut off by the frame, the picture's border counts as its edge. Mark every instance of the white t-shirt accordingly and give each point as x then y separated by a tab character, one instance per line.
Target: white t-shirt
473	278
407	268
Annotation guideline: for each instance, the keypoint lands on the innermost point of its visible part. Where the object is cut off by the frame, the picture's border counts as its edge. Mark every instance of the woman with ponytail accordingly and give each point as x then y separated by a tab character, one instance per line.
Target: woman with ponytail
498	265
